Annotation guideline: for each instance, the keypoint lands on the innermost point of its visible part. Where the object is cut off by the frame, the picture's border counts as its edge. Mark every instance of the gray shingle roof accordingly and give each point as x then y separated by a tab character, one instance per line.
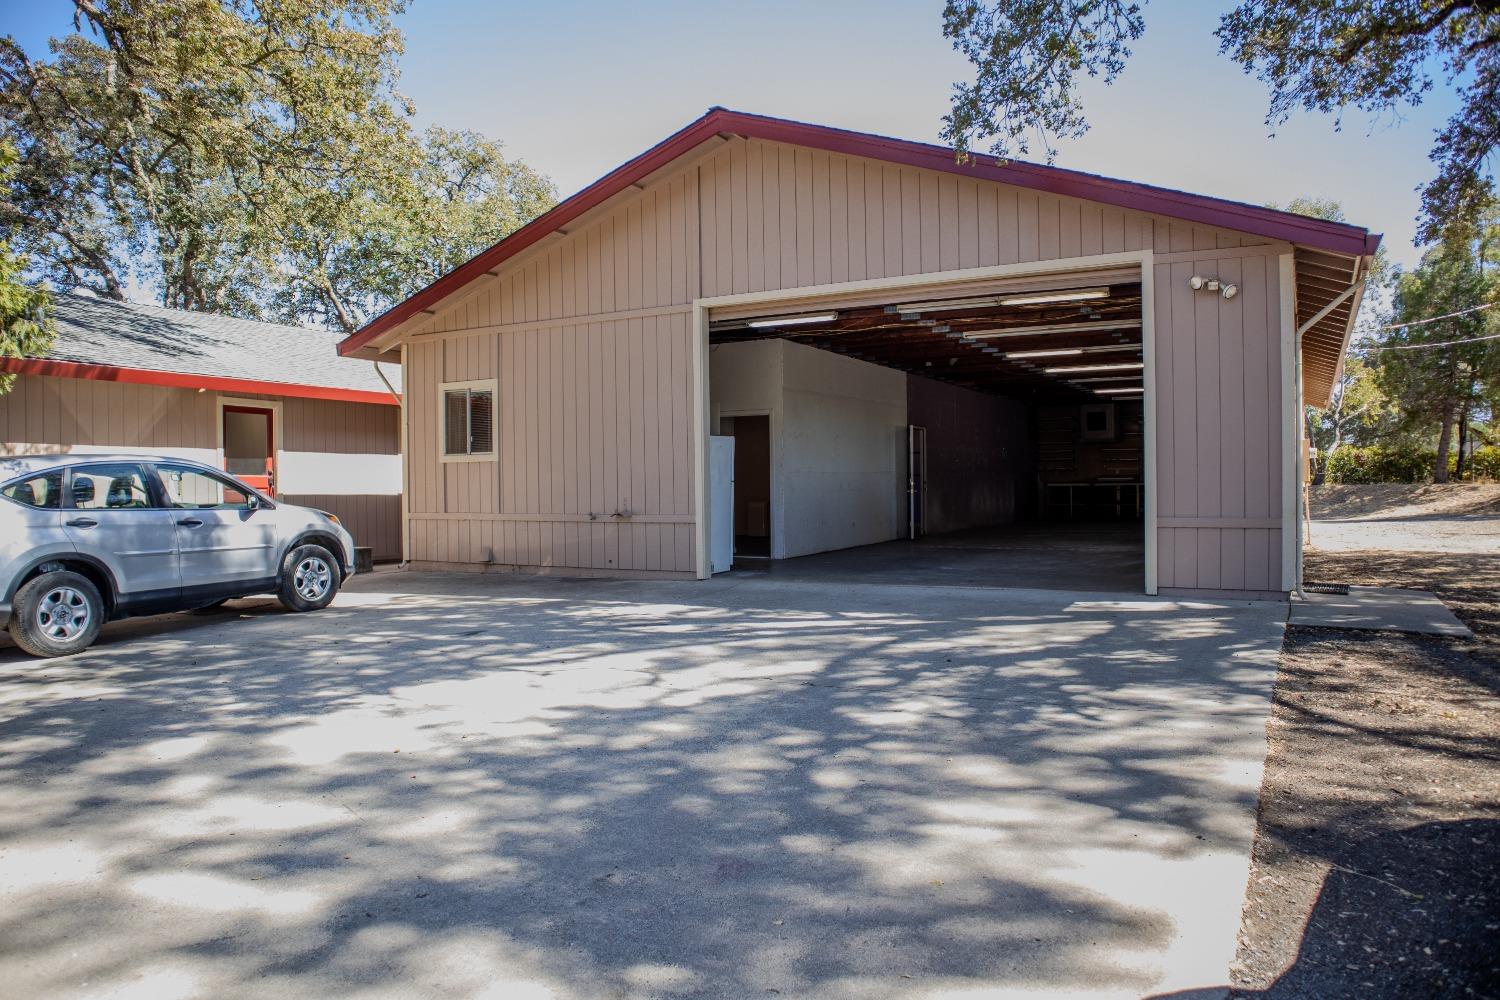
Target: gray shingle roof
96	331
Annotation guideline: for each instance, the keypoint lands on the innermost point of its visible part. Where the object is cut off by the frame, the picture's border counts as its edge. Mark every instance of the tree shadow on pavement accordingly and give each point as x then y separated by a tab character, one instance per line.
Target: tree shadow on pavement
592	789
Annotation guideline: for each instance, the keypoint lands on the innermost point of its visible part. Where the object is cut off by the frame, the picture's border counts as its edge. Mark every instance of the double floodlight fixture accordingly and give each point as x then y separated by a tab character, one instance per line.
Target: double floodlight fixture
1210	284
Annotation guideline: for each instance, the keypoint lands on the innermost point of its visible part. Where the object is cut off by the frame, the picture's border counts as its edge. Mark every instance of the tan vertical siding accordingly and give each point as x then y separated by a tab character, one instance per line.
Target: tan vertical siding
589	339
1218	382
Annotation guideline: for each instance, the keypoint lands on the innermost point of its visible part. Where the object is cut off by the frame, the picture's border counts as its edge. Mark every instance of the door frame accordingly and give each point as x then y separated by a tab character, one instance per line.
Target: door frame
772	422
945	282
278	432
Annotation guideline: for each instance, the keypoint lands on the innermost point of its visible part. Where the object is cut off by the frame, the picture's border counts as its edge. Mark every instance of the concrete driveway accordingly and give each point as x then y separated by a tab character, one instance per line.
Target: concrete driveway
452	786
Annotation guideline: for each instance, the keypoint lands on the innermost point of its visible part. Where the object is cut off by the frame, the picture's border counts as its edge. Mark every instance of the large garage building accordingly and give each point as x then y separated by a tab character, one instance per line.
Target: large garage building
765	343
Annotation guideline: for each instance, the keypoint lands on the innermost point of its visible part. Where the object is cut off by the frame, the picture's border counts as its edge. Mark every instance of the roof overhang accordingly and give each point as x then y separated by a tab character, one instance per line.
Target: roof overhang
182	380
1336	238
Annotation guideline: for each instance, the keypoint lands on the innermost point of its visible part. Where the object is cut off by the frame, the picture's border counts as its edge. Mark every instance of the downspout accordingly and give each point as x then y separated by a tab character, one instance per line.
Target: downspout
389	388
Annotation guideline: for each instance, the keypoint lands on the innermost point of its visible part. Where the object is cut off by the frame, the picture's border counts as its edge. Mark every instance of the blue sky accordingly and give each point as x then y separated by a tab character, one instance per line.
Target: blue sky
576	89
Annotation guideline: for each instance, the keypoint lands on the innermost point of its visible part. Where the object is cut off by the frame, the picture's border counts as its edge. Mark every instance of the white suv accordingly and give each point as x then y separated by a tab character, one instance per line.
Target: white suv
88	538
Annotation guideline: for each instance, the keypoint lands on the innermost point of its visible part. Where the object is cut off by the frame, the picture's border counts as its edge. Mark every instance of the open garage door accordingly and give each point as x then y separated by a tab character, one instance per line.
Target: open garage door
1029	394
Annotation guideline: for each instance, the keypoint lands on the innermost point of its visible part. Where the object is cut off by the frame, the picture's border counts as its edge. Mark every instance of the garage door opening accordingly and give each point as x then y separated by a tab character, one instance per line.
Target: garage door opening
993	436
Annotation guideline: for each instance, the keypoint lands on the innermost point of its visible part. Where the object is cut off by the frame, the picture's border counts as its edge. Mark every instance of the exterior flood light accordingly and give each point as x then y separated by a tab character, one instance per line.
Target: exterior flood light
1200	282
1123	366
1042	298
825	317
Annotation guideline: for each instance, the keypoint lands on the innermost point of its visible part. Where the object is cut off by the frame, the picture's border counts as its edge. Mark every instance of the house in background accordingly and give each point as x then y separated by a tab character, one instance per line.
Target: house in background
273	405
898	341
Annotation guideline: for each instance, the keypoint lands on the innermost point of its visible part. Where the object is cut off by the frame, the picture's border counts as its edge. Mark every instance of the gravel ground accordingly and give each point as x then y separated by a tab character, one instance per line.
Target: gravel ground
1376	870
1459	517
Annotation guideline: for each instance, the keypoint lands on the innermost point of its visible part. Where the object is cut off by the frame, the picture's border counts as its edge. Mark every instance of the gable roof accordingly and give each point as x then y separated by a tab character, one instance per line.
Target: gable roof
1299	229
129	342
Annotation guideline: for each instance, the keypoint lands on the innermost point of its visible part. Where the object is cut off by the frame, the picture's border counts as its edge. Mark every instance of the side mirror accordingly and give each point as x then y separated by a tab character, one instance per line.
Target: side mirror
252	502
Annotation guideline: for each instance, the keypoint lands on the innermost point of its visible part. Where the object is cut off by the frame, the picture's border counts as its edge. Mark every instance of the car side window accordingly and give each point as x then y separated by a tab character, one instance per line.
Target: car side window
43	491
196	490
111	486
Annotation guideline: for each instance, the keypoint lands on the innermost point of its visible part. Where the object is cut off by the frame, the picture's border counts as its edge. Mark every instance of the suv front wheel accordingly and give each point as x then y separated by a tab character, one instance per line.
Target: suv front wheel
57	614
309	579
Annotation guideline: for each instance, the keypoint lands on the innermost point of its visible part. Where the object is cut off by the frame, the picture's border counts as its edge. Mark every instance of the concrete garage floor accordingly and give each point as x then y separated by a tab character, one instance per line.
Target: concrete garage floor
455	786
1046	556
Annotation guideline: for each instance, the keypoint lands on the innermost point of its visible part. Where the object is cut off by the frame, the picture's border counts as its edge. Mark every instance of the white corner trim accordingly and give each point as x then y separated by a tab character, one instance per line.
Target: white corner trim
1291	419
1148	413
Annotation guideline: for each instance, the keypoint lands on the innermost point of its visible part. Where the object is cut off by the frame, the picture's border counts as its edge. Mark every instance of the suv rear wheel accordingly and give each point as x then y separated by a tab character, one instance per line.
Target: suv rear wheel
57	614
309	579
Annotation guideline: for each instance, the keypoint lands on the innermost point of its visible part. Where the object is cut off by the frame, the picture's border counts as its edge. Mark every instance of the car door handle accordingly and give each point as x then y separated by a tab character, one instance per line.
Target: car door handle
81	522
190	522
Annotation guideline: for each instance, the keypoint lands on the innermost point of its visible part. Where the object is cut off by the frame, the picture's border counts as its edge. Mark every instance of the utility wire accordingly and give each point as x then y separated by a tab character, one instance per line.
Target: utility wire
1434	319
1445	343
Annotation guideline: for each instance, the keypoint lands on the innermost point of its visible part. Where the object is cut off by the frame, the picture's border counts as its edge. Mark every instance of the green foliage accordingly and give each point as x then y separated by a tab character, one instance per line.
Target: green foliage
25	328
230	153
1318	55
1378	55
1442	374
1028	56
1381	464
1485	463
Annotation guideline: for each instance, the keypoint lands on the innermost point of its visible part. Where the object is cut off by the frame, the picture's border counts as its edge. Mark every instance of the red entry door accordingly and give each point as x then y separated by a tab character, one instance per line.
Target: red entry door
250	446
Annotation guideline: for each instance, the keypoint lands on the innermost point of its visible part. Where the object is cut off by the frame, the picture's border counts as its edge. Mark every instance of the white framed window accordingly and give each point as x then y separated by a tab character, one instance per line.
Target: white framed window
466	420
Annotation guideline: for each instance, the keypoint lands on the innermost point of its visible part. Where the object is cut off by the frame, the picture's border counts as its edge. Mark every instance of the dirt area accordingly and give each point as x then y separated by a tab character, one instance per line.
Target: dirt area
1456	517
1392	501
1376	869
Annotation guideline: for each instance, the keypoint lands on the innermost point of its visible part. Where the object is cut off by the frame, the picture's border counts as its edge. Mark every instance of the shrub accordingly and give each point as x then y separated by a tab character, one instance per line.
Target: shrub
1485	463
1404	463
1381	464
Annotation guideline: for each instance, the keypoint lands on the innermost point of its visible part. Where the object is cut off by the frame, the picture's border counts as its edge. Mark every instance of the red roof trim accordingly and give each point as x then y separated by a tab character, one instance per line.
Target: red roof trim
181	380
1270	223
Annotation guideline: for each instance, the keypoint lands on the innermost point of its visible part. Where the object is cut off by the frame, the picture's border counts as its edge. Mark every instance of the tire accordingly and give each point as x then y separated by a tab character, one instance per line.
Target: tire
57	614
309	579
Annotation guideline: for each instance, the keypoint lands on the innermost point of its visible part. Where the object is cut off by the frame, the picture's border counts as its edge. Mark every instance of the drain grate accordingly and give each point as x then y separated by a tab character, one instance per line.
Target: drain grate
1340	589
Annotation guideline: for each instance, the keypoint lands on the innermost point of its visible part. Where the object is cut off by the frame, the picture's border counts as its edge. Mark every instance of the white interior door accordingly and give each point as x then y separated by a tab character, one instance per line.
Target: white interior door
720	503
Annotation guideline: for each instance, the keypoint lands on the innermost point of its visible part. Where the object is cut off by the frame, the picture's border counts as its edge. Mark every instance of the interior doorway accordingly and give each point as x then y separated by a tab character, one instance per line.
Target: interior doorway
752	483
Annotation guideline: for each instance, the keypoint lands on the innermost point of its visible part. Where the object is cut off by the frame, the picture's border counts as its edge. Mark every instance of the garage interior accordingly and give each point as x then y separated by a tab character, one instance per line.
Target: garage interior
984	436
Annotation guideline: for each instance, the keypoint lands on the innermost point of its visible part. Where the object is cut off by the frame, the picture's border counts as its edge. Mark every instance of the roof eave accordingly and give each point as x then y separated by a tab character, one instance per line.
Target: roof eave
1270	223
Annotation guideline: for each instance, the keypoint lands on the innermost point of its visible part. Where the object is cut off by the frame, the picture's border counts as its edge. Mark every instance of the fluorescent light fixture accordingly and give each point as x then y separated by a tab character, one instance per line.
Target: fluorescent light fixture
1122	377
799	320
1123	366
1067	295
1060	352
1118	392
941	305
1033	331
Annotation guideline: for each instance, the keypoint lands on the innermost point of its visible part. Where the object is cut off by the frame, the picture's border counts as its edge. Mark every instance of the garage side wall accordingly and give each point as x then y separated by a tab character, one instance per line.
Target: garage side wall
1219	425
589	337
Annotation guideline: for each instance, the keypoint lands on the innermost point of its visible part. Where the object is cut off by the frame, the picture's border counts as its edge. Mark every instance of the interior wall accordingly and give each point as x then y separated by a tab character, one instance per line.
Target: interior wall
979	455
838	441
